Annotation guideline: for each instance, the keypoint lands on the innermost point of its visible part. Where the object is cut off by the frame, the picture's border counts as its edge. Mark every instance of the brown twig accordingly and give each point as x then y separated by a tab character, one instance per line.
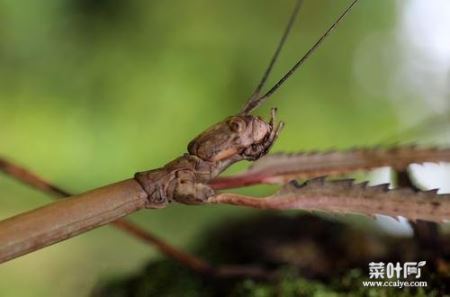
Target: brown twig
192	262
37	182
28	178
66	218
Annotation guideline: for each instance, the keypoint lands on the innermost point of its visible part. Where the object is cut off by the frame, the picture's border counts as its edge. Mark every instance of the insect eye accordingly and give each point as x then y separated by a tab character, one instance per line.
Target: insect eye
237	125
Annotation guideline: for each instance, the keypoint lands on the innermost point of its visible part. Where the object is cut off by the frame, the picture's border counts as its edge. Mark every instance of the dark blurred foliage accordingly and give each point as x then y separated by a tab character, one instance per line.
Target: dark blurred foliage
314	257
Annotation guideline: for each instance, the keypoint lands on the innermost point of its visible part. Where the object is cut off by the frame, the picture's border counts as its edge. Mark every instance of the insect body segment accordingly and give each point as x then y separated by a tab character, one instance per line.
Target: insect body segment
239	137
184	180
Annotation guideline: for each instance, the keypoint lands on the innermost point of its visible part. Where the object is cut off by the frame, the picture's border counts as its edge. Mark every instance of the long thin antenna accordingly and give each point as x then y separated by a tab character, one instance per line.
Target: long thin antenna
257	91
257	102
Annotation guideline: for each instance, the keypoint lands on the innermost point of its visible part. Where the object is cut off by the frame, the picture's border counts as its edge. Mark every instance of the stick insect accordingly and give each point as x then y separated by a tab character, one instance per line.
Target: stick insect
194	178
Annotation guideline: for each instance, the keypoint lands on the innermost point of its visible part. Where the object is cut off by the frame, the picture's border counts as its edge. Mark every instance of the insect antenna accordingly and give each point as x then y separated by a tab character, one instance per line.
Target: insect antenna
257	91
255	102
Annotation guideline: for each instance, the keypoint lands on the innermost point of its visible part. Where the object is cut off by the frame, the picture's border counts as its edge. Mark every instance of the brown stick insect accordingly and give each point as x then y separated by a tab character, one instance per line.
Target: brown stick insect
193	179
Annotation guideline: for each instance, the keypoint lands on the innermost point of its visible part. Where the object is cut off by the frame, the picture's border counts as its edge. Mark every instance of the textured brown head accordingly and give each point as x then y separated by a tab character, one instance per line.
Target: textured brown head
235	136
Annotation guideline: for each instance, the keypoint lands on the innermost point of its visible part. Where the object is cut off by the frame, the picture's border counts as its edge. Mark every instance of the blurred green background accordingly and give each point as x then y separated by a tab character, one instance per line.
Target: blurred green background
93	91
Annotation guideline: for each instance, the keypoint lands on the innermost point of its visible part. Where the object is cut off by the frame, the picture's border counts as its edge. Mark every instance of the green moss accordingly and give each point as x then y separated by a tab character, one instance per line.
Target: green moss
165	279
